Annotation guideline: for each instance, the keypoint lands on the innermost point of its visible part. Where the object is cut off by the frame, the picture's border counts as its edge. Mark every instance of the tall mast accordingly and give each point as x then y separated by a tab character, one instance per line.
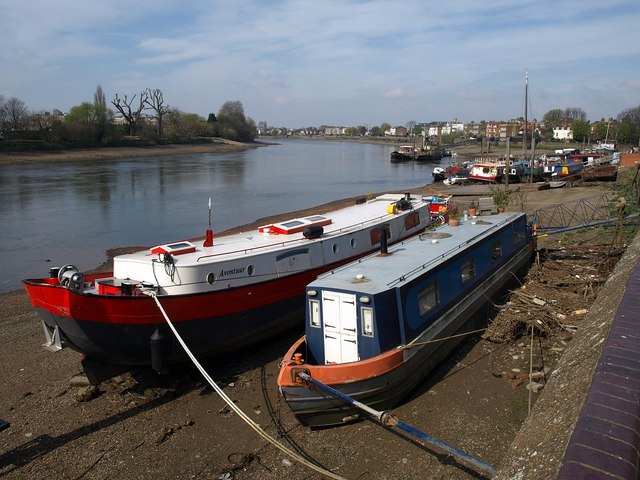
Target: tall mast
526	101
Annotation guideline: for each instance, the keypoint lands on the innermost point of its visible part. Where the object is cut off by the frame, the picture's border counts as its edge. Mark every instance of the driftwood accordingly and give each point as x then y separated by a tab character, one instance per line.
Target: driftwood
555	295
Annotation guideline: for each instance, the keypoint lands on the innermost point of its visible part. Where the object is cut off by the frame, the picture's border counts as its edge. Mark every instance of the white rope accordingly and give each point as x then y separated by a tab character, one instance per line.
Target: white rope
420	344
232	405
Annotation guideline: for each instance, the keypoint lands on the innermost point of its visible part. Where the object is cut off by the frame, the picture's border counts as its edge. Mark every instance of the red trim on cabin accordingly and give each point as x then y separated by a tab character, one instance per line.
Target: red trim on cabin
173	251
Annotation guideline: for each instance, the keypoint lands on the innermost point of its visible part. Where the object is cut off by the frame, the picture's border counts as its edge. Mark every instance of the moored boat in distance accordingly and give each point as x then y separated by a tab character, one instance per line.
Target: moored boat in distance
221	295
376	327
439	174
406	153
486	169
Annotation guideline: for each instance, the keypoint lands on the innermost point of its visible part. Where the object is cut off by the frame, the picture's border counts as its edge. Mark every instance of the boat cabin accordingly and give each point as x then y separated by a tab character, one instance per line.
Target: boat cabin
383	301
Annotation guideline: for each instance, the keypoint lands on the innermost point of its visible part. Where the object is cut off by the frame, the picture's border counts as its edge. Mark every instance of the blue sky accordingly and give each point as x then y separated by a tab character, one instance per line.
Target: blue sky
328	62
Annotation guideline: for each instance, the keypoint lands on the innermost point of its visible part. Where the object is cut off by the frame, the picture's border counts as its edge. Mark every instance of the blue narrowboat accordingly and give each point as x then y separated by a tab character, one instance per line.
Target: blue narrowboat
377	326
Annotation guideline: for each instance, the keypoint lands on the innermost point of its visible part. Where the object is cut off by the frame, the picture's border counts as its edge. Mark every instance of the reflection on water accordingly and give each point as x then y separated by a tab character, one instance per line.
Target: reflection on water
58	213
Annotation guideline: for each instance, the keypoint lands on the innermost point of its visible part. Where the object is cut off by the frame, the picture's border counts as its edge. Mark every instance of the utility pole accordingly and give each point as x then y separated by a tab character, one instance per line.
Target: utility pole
526	101
533	154
507	163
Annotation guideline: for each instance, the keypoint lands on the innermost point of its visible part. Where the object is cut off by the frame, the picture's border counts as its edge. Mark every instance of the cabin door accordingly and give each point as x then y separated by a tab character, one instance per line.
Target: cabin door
340	332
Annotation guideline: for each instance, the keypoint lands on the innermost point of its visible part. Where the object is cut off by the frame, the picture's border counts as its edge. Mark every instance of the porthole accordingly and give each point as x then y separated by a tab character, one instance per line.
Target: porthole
250	270
211	278
353	243
335	248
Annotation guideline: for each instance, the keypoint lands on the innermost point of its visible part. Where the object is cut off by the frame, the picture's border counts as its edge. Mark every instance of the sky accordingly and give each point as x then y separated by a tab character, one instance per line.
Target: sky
346	63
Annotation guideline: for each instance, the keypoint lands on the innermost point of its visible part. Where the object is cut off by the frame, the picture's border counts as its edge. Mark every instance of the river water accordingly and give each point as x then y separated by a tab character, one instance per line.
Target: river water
52	214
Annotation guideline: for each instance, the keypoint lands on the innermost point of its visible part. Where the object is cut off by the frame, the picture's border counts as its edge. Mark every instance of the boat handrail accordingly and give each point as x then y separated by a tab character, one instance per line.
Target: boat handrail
460	246
339	231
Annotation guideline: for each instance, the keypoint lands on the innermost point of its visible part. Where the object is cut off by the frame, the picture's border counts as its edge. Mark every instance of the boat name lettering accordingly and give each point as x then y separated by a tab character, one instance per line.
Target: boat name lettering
232	271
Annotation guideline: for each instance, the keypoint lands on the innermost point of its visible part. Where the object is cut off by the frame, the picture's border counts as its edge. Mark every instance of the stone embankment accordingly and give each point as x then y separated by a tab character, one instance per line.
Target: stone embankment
585	424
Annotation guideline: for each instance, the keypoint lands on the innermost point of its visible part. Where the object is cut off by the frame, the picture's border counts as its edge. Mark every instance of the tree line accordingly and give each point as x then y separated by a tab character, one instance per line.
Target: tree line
625	128
141	118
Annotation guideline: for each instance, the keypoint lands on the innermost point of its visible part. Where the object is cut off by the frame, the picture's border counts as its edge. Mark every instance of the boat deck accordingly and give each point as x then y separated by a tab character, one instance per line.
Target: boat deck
239	244
376	273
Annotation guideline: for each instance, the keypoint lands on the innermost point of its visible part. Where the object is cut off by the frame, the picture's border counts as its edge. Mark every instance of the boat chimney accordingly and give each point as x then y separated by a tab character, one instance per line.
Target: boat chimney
208	236
407	196
383	240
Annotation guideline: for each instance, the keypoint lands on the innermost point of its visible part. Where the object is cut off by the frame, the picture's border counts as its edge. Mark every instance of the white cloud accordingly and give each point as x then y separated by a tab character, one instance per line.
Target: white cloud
294	62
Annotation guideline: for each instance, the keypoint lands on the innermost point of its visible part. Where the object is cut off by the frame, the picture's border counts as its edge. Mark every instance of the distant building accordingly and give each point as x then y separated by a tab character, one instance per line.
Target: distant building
563	133
334	130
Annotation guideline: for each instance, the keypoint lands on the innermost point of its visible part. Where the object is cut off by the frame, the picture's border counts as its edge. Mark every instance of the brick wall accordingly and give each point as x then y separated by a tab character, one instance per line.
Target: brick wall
629	159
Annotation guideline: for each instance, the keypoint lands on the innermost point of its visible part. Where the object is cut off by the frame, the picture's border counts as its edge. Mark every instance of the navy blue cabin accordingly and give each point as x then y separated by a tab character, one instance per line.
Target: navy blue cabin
385	300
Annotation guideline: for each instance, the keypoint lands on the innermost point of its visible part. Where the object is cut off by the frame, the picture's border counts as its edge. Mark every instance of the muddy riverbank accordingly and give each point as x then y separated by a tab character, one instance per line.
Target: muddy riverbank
139	425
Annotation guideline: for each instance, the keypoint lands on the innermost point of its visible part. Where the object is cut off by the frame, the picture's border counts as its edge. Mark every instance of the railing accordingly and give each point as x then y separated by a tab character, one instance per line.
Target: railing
583	212
330	234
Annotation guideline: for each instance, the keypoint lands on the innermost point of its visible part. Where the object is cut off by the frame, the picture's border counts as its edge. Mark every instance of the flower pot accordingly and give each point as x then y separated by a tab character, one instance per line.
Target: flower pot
454	222
500	209
472	212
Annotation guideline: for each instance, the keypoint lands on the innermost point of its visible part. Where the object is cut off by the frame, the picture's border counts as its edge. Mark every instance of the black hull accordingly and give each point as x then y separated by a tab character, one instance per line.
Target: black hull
131	345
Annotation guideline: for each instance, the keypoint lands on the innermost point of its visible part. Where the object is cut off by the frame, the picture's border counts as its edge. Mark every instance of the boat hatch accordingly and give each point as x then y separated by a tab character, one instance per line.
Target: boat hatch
174	248
296	225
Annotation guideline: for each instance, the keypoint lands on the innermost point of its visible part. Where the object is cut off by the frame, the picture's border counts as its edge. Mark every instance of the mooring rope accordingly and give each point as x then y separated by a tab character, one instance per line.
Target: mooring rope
230	402
419	344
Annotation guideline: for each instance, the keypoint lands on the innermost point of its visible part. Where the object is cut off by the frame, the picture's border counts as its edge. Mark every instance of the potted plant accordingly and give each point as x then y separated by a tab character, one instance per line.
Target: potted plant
473	208
454	215
501	196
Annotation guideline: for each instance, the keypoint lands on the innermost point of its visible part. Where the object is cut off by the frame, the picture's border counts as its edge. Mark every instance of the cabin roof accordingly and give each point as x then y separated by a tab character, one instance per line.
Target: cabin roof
239	244
377	273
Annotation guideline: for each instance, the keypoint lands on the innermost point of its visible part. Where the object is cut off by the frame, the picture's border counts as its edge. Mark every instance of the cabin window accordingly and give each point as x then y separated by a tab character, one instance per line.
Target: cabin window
518	236
496	250
292	223
314	313
211	278
428	298
250	270
366	314
468	270
353	243
335	248
412	220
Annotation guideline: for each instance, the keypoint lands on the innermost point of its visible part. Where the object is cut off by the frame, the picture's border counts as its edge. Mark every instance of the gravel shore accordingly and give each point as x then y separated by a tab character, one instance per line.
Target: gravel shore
217	145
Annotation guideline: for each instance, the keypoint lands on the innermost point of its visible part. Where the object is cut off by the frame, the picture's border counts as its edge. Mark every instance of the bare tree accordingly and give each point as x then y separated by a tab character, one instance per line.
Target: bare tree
155	101
3	113
16	114
123	105
574	113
